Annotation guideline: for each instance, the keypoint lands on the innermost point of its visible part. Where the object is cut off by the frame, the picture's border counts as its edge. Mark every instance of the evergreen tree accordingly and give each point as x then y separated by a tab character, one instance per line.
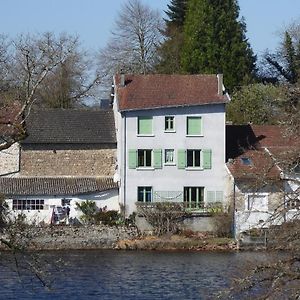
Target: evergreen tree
215	41
170	50
286	62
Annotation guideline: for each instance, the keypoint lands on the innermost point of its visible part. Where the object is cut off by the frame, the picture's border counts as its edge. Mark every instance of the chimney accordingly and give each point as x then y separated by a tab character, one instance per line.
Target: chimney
122	79
220	84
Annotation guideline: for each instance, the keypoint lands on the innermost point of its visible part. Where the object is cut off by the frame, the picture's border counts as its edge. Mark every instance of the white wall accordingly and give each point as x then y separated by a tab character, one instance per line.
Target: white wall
170	178
109	199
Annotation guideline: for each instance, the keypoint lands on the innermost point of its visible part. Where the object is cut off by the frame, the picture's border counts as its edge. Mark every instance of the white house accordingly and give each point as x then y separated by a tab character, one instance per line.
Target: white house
263	177
170	139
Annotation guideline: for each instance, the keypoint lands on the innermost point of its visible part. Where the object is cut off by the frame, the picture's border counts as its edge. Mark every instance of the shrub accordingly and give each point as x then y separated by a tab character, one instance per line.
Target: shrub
110	217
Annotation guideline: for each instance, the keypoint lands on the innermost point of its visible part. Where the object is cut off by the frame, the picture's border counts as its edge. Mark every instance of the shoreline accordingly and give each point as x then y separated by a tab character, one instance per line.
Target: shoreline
97	237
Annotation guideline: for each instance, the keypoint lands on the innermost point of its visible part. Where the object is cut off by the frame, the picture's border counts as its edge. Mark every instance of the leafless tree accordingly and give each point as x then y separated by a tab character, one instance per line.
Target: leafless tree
39	68
133	45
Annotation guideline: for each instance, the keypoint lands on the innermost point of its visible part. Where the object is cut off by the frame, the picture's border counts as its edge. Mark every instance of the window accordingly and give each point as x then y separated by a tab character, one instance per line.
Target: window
293	202
194	126
169	123
246	161
169	156
144	193
193	158
193	197
257	202
145	125
28	204
144	158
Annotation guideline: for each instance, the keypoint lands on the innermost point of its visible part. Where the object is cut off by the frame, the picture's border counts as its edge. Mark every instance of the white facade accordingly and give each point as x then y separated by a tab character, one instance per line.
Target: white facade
169	181
42	212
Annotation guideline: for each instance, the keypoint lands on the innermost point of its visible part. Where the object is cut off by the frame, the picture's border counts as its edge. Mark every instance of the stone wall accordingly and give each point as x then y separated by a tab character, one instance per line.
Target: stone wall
67	160
9	159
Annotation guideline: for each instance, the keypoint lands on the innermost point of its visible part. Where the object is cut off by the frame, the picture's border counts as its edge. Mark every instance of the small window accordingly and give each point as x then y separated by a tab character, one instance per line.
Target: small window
257	202
170	123
193	158
246	161
293	202
169	156
145	125
144	193
194	126
144	158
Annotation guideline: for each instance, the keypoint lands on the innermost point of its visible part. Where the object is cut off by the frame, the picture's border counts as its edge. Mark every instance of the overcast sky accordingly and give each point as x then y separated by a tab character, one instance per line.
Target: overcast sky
93	20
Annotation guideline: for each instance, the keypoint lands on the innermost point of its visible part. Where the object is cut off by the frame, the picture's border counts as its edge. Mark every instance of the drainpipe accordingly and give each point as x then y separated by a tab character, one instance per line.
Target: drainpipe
234	206
124	164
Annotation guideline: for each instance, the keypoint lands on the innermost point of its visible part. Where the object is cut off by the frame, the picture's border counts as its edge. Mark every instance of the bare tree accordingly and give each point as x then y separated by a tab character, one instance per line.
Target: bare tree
40	68
133	45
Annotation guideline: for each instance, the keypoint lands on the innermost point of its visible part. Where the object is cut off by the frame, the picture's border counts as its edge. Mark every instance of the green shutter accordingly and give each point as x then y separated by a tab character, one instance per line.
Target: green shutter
157	153
181	159
219	196
210	196
144	125
132	159
194	126
206	158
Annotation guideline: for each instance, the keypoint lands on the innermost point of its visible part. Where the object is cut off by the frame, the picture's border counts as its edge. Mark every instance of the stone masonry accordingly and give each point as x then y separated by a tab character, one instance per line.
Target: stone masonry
67	160
9	160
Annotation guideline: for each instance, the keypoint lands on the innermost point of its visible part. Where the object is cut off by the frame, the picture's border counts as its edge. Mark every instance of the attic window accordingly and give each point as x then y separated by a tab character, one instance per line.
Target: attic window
246	161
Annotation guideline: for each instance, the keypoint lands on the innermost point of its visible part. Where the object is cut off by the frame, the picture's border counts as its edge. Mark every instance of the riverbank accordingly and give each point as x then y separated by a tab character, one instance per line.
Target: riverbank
106	237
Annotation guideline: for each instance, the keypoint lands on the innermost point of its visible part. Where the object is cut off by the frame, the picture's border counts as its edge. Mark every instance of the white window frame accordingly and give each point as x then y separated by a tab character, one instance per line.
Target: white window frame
186	129
28	204
144	194
201	159
167	163
138	160
137	127
170	130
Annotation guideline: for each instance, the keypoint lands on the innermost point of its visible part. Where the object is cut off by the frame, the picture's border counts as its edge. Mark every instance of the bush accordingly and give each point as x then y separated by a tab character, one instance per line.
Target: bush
110	217
164	217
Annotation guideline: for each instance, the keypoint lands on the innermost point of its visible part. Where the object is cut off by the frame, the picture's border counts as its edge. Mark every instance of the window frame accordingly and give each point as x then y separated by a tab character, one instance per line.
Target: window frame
145	151
168	163
199	203
194	166
138	126
187	126
28	204
171	122
144	190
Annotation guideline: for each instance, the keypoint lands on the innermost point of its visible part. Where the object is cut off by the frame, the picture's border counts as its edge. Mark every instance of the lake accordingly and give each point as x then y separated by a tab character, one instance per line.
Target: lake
109	274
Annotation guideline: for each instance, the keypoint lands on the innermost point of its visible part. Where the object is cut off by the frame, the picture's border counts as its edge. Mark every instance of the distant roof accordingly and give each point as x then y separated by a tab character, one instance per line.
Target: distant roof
47	186
155	91
70	126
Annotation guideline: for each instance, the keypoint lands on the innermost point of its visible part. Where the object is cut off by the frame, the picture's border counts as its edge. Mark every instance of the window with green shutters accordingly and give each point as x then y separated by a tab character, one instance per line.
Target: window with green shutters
157	158
145	158
194	158
132	159
145	126
194	126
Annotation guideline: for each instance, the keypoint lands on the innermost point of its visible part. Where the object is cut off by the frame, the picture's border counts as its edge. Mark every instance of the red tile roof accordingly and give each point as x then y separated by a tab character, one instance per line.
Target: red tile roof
155	91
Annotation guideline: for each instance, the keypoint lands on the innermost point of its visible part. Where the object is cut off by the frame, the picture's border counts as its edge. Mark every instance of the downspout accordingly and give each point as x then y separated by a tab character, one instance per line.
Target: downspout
125	166
234	206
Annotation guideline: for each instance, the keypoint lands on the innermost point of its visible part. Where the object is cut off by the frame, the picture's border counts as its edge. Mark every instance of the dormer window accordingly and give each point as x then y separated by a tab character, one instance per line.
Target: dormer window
246	161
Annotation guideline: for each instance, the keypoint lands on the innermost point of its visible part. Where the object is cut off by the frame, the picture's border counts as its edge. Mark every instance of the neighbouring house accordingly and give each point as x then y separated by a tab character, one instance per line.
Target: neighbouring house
68	156
42	199
263	176
171	139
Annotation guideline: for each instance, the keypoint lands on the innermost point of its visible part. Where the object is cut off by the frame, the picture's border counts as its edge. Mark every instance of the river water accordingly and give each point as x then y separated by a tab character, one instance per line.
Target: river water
108	274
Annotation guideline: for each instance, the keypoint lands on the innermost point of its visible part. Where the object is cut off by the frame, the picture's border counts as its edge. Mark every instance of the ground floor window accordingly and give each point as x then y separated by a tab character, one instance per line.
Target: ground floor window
144	193
194	197
36	204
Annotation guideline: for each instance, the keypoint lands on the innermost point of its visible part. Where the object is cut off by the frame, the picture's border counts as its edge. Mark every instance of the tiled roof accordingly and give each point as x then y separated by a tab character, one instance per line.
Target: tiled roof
48	186
268	147
155	91
70	126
